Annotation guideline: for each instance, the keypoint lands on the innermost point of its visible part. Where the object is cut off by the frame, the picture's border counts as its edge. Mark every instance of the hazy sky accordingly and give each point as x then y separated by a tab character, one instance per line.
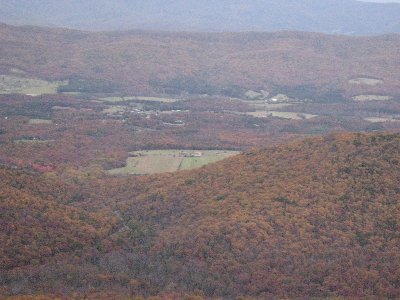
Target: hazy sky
381	1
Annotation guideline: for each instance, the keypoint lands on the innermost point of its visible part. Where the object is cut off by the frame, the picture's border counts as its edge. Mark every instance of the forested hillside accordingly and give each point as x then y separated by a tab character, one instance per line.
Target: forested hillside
303	65
37	222
96	128
316	218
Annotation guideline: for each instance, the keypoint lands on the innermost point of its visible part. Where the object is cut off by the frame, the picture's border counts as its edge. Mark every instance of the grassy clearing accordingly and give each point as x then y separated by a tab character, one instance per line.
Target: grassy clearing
380	119
281	114
161	161
33	141
40	121
139	98
366	81
263	106
29	86
115	99
208	157
63	108
72	93
372	98
272	106
112	110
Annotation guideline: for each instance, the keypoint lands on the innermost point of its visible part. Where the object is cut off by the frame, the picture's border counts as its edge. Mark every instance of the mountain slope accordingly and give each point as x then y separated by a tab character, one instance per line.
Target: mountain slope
36	224
330	16
317	218
146	62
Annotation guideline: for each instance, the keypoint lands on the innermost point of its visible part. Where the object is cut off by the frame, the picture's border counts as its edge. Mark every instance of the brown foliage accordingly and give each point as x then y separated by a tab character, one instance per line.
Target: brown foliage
317	218
310	219
34	223
131	60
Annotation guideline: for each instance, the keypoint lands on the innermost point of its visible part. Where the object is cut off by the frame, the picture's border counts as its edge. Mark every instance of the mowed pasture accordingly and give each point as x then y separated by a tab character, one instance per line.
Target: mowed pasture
30	86
366	81
162	161
40	122
372	98
139	98
281	114
381	119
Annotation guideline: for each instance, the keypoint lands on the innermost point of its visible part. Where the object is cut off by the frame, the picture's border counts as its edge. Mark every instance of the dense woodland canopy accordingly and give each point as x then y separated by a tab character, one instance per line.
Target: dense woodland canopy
316	218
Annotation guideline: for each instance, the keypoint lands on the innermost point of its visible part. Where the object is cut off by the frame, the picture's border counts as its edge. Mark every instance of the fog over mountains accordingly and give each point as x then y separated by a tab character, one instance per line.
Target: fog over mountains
328	16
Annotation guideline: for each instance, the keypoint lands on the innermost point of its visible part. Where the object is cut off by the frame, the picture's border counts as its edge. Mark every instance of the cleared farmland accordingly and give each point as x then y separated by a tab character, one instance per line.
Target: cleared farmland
40	121
29	86
161	161
381	119
139	98
372	98
281	114
366	81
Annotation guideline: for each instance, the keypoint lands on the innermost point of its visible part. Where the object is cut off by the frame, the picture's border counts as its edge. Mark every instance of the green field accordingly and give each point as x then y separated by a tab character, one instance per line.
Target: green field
281	114
366	81
29	86
114	110
40	121
33	141
380	119
372	98
161	161
139	98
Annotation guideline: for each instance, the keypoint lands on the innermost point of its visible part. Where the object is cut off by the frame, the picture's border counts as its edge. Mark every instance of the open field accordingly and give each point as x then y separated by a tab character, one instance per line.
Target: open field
29	86
380	119
281	114
366	81
114	110
263	105
161	161
40	121
33	141
372	98
139	98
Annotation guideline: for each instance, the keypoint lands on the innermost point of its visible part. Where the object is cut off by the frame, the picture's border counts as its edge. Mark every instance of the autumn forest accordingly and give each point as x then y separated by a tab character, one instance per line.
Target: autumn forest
169	165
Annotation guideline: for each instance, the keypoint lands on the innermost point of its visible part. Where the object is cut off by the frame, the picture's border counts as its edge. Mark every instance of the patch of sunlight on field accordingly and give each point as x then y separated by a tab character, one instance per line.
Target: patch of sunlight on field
139	98
372	98
29	86
380	119
33	141
161	161
281	114
366	81
208	157
40	121
262	106
114	110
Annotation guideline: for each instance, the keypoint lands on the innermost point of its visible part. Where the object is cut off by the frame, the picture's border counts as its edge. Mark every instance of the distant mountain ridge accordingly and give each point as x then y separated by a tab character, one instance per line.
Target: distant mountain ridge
328	16
146	62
